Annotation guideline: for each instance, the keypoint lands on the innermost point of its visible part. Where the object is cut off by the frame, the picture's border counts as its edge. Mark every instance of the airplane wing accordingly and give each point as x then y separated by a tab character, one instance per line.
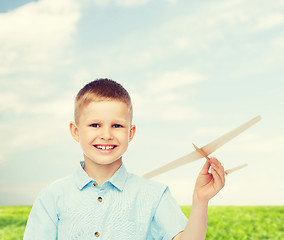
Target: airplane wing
193	156
219	142
208	149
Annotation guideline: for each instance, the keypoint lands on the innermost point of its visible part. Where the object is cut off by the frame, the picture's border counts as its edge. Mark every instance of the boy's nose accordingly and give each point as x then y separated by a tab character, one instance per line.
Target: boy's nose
106	134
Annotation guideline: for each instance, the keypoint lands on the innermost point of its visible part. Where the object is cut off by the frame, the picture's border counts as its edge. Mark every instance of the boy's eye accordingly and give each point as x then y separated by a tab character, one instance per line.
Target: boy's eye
116	126
95	125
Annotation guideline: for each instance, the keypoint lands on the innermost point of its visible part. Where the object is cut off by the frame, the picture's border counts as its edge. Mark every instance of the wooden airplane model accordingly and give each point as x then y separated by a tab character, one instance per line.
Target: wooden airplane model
205	151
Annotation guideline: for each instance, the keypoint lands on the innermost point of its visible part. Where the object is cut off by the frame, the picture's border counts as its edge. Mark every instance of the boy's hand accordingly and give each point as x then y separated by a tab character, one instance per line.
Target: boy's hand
209	184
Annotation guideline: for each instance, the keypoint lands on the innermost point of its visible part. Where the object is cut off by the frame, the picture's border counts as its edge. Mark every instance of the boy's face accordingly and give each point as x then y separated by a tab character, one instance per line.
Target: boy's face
103	131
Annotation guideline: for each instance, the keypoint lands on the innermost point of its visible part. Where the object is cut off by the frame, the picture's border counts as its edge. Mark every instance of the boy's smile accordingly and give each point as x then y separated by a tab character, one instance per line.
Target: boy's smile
105	147
104	131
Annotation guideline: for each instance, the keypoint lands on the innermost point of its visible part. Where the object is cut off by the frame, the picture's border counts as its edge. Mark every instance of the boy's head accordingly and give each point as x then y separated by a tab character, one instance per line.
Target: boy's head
103	115
101	90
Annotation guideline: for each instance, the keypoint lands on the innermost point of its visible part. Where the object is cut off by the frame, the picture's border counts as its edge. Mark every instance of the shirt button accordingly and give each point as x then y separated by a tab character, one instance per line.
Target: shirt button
97	234
95	184
100	199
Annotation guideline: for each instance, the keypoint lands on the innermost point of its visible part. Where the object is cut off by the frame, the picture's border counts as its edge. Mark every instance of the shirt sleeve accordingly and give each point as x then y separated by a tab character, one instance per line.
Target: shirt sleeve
42	222
168	220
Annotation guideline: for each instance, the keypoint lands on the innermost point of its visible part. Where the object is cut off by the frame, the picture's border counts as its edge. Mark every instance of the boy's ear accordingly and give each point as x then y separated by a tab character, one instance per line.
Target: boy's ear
132	132
74	131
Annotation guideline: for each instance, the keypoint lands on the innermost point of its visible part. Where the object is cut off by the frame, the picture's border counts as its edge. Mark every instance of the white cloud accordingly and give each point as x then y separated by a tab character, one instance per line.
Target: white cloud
80	77
239	13
168	97
204	28
169	81
131	3
35	37
196	32
210	131
164	98
48	132
177	112
102	3
9	101
173	1
127	3
182	42
269	21
34	120
14	103
36	34
122	3
199	32
255	143
278	42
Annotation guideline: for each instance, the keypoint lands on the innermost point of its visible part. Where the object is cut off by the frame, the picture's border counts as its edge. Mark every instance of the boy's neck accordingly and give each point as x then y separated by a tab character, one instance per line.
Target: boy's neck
101	173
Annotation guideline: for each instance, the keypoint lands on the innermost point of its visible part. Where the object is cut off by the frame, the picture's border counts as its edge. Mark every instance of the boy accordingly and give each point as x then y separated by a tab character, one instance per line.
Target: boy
102	200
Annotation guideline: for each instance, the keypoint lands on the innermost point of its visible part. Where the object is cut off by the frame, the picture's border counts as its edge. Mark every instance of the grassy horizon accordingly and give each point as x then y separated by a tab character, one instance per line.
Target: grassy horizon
224	222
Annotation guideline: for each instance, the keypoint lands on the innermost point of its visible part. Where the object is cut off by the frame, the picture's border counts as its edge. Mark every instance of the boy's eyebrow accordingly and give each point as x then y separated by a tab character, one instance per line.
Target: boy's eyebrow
121	121
92	120
112	121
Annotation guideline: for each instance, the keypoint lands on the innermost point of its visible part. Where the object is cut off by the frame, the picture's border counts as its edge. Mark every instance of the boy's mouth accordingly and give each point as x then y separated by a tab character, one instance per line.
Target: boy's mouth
105	147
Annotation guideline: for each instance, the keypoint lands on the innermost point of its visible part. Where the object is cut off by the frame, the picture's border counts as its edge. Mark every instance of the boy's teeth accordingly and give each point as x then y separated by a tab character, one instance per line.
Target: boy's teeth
105	147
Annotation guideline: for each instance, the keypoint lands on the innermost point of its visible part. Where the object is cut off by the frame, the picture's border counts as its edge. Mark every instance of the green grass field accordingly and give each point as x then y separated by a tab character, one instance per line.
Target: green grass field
241	223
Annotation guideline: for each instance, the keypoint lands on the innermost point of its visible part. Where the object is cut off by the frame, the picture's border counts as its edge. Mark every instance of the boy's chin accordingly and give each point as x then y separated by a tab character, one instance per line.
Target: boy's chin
104	162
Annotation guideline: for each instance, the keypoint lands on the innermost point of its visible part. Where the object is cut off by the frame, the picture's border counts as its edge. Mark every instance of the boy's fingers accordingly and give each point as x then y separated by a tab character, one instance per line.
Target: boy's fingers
217	163
217	179
221	177
205	168
217	166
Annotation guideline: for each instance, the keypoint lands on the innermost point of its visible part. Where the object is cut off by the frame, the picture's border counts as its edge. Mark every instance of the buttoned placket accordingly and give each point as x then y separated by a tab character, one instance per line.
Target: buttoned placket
100	195
97	232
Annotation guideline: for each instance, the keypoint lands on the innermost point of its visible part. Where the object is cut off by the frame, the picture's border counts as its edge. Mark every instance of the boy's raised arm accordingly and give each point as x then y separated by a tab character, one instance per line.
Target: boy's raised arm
207	186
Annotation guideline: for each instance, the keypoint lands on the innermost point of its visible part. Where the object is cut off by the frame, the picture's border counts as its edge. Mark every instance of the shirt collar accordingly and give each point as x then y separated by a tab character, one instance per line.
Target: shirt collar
118	180
81	177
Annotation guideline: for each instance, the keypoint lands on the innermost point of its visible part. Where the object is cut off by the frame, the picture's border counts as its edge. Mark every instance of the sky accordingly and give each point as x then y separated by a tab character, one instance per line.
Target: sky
194	69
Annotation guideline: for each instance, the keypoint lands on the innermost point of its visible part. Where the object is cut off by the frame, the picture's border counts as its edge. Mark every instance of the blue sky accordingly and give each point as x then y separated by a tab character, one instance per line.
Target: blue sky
194	69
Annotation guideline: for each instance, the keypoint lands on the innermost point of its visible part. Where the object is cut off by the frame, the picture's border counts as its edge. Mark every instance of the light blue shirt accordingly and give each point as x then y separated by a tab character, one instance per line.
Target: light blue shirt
124	207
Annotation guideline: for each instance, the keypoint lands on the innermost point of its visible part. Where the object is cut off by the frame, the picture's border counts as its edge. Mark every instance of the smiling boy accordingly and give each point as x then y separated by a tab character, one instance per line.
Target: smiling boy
103	131
102	200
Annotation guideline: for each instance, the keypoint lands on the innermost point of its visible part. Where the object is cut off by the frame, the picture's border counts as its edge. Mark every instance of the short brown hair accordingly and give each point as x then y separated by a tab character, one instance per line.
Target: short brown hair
102	89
